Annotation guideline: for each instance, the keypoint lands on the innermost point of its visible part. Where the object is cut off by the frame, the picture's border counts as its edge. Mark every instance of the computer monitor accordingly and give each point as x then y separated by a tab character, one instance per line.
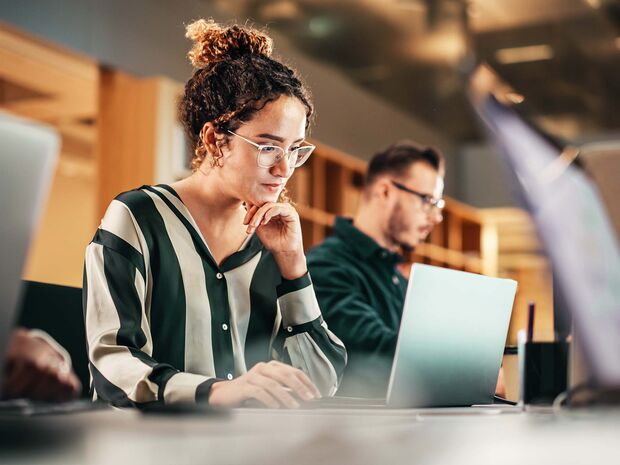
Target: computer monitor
573	227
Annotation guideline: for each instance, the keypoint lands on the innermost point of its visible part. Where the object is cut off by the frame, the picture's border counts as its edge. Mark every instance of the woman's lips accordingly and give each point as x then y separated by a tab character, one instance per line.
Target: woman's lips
273	187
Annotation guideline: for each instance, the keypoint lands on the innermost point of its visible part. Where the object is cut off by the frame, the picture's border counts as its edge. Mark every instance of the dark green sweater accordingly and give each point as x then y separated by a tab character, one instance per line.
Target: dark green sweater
361	294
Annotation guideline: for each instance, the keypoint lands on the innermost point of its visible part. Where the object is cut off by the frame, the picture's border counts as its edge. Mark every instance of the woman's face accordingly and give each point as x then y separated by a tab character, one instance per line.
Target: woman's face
282	123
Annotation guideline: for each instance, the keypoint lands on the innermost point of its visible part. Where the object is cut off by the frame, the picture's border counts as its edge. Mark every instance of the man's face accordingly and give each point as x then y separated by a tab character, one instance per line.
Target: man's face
411	221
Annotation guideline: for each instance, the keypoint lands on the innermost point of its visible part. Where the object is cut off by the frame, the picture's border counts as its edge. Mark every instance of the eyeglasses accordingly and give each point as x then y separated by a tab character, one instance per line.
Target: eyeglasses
271	155
428	201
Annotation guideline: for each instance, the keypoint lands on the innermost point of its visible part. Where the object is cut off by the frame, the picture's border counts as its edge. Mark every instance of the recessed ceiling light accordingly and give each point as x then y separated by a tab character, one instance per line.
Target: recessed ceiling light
507	56
594	3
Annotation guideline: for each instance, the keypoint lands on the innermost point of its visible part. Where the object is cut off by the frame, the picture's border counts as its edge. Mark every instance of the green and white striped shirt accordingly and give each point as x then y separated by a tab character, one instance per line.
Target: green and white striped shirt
164	321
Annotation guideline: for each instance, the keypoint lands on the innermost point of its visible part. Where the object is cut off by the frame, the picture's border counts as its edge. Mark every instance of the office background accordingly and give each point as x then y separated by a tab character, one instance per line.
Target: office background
379	71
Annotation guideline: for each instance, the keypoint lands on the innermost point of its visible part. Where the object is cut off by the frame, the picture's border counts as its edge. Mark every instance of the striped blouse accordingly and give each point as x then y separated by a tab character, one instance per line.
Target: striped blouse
164	321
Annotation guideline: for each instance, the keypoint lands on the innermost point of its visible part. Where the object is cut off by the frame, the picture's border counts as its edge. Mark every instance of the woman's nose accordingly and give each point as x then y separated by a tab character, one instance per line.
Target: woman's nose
282	168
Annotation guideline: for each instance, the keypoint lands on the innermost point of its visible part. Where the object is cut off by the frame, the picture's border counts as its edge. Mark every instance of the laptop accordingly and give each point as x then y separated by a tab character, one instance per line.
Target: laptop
573	225
28	155
450	343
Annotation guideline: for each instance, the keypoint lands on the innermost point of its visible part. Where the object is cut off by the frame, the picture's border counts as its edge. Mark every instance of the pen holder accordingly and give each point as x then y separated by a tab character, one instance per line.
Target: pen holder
542	371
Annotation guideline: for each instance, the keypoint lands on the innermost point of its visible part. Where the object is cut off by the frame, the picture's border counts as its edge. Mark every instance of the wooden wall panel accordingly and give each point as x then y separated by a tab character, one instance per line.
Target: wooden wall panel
127	135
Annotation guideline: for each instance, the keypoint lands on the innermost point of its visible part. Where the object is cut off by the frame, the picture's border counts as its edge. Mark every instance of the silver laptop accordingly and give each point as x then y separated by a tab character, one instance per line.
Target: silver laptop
28	154
451	339
450	343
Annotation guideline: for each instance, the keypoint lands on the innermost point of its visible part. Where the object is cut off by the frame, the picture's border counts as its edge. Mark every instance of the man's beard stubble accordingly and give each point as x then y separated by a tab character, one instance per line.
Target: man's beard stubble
396	226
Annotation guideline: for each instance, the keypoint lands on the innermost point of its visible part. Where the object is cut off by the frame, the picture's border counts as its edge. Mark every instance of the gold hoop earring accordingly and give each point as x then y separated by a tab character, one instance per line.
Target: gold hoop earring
217	160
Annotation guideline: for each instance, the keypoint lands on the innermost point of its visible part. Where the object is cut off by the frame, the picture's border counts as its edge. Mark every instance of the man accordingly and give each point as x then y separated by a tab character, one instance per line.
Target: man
360	290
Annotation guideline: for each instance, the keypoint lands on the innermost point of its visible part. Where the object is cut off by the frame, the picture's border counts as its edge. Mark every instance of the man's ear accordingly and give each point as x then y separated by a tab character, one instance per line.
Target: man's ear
382	189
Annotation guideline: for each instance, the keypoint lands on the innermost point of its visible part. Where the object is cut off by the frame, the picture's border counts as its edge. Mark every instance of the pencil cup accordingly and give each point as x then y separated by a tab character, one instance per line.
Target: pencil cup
542	371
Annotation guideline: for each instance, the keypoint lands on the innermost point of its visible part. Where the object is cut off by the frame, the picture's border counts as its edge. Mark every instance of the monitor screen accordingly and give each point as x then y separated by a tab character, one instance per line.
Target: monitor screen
574	229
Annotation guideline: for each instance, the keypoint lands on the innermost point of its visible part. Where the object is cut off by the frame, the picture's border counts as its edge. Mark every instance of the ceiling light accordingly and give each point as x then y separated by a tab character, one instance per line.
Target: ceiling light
322	26
594	3
617	42
280	11
507	56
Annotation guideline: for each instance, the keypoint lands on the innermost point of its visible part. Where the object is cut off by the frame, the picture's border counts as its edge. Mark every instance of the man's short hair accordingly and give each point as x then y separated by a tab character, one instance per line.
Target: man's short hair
398	157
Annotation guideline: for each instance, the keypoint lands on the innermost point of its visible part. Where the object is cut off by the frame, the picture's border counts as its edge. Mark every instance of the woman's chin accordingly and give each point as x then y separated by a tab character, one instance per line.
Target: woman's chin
263	199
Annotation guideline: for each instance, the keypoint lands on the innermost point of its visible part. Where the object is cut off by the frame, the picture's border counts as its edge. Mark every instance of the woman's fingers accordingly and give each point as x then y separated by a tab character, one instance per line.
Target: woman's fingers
260	394
295	383
275	390
273	212
294	379
255	220
260	216
250	213
303	378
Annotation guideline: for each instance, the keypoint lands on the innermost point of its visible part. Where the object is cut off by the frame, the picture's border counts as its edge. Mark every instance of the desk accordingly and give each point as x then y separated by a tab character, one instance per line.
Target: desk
343	437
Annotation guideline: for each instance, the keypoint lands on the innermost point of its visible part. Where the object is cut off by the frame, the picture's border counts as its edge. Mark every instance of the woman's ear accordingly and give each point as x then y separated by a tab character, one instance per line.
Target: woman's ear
208	137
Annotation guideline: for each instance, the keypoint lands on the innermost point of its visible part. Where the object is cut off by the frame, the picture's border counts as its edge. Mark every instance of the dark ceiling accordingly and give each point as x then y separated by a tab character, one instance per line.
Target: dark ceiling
563	56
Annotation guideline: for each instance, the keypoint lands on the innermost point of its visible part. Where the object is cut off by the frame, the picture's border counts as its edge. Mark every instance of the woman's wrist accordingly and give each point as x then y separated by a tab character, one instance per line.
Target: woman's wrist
215	394
292	264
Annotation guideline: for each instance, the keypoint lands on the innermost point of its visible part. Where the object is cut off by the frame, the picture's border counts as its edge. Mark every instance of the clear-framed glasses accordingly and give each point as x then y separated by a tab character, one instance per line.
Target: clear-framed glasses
270	155
428	201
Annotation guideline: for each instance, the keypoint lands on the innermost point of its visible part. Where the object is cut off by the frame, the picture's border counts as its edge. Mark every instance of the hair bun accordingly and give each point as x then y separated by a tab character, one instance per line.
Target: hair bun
213	42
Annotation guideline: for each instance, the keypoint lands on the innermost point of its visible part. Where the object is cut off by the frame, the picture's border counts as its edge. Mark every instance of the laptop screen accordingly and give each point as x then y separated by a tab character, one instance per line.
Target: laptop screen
28	155
575	230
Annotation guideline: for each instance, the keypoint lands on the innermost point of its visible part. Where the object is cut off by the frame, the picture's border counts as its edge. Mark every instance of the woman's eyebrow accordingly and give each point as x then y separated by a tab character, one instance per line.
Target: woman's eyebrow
276	138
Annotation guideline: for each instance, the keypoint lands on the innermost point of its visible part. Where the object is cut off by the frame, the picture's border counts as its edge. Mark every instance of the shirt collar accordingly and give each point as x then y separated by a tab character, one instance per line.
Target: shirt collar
363	245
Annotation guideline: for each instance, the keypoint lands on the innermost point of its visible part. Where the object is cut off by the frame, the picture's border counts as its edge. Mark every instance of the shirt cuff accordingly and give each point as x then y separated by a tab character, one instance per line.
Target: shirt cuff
183	387
292	285
297	302
204	389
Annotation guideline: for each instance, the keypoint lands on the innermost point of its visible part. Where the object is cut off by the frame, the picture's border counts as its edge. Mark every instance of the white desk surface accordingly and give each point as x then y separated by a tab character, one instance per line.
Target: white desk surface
255	436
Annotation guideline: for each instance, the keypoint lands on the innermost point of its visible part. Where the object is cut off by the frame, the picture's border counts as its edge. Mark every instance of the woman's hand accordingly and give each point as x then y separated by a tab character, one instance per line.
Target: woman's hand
278	227
273	384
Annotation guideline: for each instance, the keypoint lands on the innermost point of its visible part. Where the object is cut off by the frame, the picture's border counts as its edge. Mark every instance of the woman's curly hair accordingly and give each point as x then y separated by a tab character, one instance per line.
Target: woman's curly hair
235	77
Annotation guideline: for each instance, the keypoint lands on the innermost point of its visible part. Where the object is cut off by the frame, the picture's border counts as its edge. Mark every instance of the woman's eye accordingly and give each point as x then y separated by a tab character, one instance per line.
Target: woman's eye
268	148
295	148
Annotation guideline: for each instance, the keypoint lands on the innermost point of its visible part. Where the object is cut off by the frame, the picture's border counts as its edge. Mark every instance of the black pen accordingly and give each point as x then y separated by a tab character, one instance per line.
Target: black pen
530	321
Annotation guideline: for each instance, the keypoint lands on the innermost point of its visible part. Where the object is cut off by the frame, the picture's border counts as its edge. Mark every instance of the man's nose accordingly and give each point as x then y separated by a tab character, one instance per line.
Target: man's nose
435	215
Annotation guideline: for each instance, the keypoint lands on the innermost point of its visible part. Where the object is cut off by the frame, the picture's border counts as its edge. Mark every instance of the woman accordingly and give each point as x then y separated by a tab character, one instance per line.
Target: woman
194	290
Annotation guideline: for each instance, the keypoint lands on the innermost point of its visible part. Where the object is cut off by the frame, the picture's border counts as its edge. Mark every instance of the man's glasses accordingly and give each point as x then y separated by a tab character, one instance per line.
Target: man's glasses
271	155
428	201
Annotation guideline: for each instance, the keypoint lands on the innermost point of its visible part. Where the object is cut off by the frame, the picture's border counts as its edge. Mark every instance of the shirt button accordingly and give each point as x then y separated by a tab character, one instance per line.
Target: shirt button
395	279
219	276
383	254
289	329
224	326
229	376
